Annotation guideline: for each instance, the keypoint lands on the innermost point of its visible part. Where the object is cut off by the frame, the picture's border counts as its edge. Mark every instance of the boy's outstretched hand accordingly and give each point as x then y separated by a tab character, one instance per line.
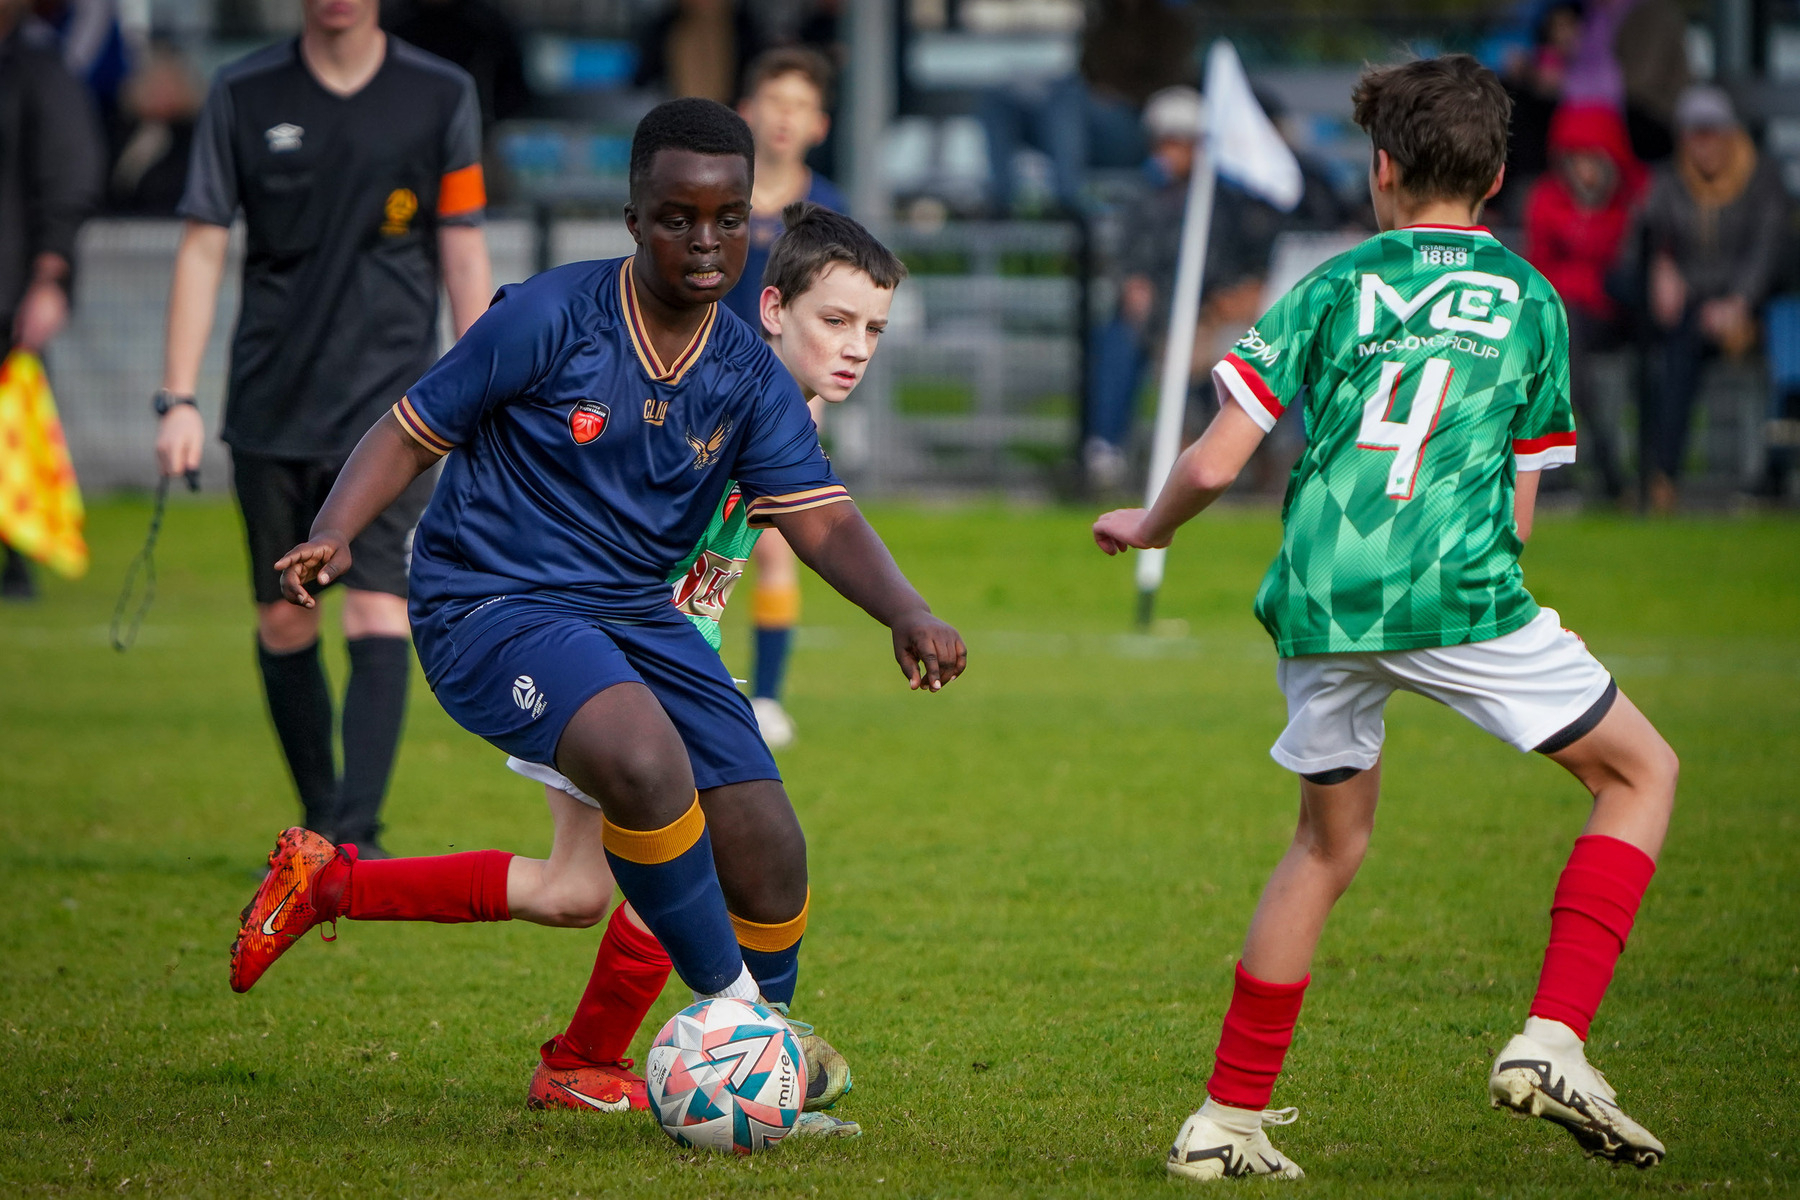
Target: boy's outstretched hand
929	651
1123	529
324	558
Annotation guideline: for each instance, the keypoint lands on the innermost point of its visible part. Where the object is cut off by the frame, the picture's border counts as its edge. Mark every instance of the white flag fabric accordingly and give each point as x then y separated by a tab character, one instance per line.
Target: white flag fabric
1247	149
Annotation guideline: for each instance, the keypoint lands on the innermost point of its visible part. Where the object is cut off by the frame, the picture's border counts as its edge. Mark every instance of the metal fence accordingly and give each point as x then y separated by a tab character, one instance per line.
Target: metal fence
976	388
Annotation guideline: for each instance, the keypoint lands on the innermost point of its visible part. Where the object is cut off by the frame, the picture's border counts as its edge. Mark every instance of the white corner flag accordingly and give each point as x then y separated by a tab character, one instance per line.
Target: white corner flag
1237	140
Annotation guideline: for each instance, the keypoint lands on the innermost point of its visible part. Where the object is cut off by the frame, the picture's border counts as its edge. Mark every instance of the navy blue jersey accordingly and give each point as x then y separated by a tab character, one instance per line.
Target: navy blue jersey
584	468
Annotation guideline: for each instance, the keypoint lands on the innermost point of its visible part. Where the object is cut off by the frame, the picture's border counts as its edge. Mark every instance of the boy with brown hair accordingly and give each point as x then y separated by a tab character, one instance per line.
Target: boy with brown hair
1434	364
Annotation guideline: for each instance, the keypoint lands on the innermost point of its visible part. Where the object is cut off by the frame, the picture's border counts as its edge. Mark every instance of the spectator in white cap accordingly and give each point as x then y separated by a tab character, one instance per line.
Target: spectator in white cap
1172	119
1711	229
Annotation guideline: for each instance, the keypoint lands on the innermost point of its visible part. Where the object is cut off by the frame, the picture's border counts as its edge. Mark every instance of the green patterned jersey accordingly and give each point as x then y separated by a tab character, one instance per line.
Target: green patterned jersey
704	579
1434	364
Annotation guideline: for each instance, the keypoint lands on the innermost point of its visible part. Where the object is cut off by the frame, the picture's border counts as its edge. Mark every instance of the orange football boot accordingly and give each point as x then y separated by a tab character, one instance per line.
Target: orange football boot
600	1087
285	906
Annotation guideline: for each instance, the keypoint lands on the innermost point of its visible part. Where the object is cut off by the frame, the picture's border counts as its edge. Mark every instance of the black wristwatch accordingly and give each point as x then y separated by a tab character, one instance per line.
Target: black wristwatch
165	400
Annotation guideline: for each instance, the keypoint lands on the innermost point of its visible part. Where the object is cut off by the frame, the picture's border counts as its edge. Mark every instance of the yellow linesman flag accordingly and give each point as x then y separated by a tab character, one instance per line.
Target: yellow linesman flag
40	503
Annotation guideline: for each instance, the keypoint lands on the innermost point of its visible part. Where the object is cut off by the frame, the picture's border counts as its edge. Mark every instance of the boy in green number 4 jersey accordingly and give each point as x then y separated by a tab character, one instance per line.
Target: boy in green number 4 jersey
824	305
1434	366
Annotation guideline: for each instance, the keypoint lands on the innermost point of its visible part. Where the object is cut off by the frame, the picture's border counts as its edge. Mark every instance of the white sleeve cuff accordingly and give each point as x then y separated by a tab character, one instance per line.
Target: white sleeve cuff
1547	459
1228	378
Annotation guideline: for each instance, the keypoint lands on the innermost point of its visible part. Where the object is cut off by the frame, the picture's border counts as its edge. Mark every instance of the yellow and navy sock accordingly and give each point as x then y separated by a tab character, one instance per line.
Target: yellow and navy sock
774	611
668	876
772	952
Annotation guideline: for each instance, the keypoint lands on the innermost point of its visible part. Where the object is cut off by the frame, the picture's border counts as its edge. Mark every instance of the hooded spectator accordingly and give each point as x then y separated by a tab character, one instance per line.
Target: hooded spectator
1575	219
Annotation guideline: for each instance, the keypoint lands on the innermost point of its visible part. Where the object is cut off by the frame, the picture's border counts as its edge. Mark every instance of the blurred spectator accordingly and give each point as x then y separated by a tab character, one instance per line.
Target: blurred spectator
1120	348
1130	50
1534	80
1651	46
52	159
93	47
161	105
786	95
475	35
698	48
1575	220
1710	238
1632	57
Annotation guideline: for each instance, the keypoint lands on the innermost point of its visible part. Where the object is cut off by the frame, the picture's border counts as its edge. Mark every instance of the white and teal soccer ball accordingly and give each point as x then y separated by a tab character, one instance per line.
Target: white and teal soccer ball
726	1075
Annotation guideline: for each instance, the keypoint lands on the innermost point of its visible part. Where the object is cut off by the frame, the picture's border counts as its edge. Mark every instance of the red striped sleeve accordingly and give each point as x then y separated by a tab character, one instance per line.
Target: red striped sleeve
1549	450
1249	389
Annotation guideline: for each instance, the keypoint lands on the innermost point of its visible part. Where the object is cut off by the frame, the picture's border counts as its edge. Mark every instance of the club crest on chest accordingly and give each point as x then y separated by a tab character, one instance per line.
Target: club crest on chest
707	452
587	421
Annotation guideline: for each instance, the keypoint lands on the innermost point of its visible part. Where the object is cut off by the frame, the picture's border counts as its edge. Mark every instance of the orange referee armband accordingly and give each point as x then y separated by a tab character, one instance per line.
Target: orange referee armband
462	191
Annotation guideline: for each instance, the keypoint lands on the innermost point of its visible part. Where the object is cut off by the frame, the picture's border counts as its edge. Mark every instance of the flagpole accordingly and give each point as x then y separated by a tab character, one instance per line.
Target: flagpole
1178	352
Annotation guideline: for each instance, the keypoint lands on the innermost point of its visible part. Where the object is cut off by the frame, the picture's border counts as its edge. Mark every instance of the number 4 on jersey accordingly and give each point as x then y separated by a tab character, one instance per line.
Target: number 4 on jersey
1405	439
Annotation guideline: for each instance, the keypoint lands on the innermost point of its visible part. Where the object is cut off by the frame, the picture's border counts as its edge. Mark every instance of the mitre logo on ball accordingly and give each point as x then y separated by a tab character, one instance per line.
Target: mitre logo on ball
587	421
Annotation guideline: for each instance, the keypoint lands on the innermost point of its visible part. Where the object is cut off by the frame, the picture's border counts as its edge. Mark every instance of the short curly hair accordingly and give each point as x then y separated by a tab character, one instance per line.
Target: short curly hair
1442	120
702	126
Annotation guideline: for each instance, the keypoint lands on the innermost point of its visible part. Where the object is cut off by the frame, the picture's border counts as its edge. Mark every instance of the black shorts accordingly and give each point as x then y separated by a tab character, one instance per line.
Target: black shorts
279	498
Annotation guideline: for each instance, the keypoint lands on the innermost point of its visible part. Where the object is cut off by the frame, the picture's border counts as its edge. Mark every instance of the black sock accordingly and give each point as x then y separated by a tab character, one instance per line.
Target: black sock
300	706
374	706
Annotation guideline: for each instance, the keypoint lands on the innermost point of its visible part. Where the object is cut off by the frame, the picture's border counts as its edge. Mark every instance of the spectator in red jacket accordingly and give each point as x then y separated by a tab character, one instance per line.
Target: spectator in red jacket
1575	218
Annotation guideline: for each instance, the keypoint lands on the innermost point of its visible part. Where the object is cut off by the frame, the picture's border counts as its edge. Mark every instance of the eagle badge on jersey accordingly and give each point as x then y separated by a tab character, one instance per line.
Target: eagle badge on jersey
587	421
705	453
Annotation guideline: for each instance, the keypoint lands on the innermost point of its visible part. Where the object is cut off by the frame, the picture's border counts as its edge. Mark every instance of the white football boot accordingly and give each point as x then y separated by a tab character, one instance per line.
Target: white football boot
773	722
1220	1142
1543	1072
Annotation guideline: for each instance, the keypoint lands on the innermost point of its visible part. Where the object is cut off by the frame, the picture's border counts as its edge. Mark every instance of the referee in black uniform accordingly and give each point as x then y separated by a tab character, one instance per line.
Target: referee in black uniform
356	162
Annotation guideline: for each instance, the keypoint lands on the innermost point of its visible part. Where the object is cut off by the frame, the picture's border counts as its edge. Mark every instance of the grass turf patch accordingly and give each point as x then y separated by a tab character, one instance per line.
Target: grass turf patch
1028	894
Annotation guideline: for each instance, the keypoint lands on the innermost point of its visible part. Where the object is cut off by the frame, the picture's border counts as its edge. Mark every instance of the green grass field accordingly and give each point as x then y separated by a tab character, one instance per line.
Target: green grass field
1028	894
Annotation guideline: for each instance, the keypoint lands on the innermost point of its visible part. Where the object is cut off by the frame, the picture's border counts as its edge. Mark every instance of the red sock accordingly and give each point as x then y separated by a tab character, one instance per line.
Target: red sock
451	888
1259	1026
1596	902
629	974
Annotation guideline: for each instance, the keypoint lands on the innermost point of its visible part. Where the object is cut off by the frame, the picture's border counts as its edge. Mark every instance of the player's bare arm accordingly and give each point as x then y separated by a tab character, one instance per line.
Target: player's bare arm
838	542
380	468
468	274
193	296
1199	477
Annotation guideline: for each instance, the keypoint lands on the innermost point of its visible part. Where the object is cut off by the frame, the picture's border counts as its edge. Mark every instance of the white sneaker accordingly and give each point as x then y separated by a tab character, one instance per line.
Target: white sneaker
773	722
1543	1072
1220	1142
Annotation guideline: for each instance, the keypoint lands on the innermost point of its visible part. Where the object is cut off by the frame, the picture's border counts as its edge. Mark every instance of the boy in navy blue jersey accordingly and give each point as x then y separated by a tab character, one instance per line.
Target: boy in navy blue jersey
592	420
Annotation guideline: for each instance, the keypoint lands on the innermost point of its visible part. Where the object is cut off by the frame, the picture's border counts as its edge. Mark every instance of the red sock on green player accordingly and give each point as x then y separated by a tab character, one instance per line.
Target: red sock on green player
1596	903
630	972
448	888
1259	1027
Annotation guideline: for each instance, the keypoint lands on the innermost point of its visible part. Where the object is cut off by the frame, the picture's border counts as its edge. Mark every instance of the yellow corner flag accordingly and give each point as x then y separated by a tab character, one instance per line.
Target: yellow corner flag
40	503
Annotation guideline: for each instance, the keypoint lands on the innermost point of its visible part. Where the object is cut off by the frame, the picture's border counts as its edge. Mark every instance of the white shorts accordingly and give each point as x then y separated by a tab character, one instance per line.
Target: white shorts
544	773
1523	688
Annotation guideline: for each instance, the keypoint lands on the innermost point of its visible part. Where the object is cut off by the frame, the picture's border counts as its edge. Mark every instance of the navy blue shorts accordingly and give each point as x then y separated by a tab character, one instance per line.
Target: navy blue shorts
532	664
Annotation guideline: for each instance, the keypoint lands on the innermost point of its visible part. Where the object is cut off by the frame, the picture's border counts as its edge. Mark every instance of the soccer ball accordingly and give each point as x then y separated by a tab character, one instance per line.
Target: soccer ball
726	1075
